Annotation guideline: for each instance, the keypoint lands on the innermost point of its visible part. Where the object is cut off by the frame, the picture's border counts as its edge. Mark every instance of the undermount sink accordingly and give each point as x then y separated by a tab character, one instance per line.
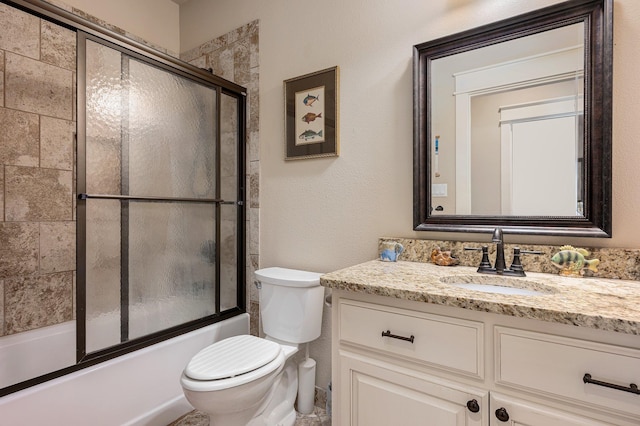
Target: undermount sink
498	285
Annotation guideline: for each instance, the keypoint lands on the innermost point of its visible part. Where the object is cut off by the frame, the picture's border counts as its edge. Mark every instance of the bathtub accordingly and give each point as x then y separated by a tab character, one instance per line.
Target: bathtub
139	388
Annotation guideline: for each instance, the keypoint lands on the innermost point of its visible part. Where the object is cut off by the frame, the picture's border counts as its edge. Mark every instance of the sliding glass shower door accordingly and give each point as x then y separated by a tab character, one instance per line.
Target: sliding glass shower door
161	151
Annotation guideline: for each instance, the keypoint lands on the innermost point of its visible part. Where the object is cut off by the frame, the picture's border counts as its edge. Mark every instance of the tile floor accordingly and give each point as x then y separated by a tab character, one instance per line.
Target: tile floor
196	418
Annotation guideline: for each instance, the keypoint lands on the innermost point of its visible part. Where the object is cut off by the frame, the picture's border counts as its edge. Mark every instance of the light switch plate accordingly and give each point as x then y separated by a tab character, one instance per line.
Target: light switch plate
439	190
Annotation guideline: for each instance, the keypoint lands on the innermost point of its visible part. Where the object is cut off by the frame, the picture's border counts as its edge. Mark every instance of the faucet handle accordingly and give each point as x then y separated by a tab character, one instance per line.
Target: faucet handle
516	266
485	265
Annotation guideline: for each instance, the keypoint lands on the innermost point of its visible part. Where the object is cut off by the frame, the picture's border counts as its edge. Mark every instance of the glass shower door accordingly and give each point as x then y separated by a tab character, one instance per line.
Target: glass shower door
152	199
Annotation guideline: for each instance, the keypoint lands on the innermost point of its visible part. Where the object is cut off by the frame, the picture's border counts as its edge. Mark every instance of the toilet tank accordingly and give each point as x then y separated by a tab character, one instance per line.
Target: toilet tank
290	304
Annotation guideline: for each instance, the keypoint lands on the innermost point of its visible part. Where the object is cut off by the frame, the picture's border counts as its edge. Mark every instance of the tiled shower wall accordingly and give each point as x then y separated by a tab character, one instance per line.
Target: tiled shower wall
37	165
37	123
234	56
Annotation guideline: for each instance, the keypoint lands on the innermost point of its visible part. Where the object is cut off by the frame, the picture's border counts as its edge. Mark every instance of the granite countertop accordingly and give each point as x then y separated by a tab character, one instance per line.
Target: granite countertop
605	304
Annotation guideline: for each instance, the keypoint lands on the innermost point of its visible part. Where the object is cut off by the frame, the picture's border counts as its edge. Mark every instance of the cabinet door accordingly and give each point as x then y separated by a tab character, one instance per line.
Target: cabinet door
514	412
376	393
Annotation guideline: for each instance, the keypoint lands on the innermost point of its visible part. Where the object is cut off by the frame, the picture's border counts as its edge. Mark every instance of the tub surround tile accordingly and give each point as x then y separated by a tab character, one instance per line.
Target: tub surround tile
2	308
611	305
34	86
254	319
37	194
254	231
1	78
200	62
253	106
253	262
57	247
56	143
19	138
241	60
37	301
58	45
18	249
1	196
254	184
20	32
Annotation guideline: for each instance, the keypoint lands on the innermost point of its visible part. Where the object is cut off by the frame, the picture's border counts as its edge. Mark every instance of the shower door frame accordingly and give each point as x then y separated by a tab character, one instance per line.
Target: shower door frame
125	344
88	30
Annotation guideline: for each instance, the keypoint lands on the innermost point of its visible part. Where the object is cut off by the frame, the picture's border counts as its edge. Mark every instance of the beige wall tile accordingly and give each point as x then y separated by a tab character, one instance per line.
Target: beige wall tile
74	97
56	143
37	194
254	184
18	249
1	78
19	32
222	63
58	45
57	247
37	87
2	308
37	301
19	138
254	319
1	196
241	61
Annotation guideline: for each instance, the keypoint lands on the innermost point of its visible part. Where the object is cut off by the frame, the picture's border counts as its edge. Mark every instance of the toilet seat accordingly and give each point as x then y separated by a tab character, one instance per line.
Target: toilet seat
232	362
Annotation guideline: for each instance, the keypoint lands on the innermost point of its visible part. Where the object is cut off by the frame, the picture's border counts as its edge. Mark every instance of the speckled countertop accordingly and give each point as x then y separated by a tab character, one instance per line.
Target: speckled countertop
605	304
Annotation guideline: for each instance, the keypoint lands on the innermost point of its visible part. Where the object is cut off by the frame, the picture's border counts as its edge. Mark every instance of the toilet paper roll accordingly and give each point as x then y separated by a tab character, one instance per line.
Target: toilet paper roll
306	385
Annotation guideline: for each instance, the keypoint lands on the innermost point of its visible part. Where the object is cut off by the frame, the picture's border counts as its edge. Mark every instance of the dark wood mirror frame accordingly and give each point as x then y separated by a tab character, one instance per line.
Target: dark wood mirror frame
597	16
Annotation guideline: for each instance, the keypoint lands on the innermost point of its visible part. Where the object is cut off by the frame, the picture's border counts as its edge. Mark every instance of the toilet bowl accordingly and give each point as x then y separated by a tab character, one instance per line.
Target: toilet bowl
234	380
250	381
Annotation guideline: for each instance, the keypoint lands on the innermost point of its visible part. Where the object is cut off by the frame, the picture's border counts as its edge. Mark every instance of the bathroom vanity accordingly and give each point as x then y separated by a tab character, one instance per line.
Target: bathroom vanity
412	344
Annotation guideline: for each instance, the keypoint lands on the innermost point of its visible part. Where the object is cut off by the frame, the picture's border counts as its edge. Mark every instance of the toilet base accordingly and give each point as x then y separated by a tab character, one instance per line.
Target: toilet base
280	411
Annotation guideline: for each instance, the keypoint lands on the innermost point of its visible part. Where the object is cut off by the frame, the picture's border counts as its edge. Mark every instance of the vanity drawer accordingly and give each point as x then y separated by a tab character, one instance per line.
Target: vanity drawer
555	365
444	342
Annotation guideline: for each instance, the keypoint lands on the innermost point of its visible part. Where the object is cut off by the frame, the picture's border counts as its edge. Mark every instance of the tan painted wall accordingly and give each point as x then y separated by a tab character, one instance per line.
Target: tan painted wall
156	21
325	214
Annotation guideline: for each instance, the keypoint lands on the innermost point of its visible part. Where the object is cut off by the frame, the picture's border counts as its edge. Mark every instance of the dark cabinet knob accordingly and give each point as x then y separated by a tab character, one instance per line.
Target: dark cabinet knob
502	415
473	406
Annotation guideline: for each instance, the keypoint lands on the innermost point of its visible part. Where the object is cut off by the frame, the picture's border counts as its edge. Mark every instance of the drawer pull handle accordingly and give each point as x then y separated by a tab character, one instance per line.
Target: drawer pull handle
632	388
394	336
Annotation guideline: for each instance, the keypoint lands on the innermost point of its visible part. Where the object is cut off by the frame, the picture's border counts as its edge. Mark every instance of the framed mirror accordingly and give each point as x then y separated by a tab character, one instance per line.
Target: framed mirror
512	124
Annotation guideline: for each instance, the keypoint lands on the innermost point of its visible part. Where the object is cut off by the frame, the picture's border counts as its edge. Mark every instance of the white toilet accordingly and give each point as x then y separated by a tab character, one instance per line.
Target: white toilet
247	380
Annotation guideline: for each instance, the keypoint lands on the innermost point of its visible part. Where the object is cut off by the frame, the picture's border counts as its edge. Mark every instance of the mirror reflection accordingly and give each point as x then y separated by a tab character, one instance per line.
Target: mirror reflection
507	127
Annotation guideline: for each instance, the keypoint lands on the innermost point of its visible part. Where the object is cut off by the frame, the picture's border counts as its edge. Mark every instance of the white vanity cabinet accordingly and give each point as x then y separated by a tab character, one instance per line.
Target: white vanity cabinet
397	362
379	393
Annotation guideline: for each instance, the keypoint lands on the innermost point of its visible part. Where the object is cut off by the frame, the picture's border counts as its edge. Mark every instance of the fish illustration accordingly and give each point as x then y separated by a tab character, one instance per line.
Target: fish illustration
310	116
572	261
310	134
310	99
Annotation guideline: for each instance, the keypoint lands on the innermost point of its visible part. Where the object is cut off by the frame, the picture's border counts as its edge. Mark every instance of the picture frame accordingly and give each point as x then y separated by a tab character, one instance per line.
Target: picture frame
311	115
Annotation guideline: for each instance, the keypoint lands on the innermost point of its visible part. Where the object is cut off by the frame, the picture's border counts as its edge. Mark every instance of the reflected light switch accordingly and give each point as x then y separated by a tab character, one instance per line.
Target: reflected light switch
439	190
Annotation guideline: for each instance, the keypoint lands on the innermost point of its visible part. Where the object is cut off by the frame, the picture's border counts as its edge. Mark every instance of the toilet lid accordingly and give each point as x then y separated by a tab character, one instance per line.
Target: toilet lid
232	357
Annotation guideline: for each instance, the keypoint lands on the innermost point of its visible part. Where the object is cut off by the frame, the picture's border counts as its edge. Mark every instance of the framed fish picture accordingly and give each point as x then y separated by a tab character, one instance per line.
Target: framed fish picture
311	115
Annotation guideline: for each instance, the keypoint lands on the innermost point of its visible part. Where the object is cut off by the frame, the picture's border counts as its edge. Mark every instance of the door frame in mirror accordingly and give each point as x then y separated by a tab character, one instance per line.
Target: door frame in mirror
597	16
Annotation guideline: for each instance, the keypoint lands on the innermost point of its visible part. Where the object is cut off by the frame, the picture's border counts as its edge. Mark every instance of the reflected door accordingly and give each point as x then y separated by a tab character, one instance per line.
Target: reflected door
539	159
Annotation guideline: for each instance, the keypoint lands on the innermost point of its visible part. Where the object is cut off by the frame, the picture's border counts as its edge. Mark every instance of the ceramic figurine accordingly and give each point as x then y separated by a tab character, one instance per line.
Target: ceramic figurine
390	251
572	262
443	258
